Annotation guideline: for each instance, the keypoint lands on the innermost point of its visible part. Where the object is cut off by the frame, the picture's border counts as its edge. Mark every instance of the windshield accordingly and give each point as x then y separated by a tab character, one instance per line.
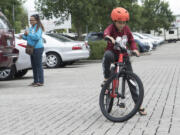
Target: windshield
4	24
141	37
59	37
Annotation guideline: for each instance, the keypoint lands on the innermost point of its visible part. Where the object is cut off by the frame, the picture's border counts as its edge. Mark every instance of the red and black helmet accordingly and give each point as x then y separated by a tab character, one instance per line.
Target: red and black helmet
120	14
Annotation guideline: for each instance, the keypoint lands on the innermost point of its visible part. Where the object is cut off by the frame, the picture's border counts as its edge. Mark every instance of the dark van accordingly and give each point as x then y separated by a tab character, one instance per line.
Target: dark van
8	53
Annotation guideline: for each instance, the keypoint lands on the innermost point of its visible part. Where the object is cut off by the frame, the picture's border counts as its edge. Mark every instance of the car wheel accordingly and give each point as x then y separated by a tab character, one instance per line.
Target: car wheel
53	60
7	74
21	73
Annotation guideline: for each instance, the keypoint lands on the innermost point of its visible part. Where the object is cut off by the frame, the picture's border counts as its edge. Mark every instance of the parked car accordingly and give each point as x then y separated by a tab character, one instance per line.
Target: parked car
23	64
154	43
143	41
61	50
142	46
159	40
94	36
8	53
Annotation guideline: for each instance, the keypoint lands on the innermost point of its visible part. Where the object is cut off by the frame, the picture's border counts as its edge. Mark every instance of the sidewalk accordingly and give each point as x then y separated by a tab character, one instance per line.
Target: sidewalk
68	104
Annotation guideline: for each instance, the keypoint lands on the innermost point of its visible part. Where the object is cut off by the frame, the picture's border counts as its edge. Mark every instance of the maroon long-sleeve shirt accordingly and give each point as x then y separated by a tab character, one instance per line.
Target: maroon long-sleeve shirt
112	31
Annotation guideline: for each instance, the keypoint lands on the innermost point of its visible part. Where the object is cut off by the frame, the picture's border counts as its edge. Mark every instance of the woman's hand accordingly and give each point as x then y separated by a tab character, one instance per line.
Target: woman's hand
137	52
20	36
26	33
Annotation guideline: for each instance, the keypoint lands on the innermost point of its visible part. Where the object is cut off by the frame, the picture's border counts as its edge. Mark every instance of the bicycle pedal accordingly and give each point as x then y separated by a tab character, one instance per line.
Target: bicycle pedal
122	105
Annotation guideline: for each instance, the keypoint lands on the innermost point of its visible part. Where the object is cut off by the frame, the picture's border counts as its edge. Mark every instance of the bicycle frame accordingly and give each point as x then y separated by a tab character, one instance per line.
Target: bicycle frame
120	66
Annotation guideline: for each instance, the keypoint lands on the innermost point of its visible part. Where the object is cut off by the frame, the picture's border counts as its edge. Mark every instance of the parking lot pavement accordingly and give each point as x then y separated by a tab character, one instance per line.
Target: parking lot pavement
68	104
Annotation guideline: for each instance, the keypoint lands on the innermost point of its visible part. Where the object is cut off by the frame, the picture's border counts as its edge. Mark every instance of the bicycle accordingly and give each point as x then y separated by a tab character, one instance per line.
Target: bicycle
114	100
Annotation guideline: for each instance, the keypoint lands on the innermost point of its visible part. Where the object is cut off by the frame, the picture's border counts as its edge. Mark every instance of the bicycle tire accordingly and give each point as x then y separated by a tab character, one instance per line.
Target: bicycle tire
137	105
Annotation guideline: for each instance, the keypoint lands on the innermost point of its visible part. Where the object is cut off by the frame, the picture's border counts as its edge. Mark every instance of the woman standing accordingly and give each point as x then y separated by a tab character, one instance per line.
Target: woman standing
34	38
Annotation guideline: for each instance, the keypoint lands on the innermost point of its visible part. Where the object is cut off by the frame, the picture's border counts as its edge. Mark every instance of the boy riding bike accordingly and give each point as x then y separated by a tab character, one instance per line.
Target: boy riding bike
119	28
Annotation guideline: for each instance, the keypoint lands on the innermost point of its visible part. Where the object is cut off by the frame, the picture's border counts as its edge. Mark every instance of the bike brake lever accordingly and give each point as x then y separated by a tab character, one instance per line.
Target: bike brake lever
131	53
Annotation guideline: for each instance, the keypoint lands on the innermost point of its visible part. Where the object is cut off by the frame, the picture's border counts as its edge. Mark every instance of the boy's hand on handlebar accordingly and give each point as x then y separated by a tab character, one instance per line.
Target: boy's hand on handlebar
111	38
137	52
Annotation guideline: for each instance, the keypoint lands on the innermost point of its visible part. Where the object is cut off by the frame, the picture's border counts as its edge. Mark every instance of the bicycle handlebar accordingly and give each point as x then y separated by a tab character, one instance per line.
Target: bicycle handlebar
119	47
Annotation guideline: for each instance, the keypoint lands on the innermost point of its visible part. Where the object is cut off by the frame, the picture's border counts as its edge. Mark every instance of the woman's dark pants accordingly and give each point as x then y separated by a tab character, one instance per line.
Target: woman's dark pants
36	62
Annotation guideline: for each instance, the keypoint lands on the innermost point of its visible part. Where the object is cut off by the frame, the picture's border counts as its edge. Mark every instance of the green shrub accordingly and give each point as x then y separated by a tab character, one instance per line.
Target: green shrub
97	49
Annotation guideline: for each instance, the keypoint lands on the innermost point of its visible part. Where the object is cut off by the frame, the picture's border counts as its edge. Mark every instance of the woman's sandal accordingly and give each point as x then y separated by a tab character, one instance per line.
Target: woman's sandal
32	84
142	112
40	84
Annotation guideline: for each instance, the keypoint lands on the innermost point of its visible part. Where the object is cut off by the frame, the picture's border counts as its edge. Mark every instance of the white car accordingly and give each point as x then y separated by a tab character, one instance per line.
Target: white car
154	42
58	51
159	40
144	41
61	50
23	64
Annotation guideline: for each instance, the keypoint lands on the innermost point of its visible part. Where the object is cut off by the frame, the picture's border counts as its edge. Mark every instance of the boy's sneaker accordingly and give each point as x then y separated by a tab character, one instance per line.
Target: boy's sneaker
103	83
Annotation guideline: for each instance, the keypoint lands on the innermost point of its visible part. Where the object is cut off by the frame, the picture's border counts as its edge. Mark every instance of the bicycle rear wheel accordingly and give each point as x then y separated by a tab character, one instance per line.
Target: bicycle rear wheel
122	107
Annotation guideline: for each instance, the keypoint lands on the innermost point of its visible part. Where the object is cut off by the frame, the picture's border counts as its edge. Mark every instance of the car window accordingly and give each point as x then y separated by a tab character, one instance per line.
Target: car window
94	37
171	32
4	24
60	38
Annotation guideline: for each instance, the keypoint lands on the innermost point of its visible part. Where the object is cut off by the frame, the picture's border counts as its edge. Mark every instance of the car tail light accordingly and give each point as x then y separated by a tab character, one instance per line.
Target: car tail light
22	45
76	48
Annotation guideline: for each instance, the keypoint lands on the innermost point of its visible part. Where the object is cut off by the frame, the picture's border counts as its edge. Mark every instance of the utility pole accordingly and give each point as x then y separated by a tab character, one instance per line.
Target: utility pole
13	13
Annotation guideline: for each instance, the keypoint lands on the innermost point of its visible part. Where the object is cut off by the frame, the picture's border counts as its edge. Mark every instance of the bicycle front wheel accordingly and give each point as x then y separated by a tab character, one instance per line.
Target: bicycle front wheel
128	99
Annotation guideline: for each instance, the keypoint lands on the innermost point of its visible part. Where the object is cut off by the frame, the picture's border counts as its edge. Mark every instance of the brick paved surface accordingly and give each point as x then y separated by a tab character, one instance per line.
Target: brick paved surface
68	103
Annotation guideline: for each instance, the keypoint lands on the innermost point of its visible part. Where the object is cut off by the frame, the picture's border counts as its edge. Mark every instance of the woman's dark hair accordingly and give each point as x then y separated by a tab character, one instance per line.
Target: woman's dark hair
39	24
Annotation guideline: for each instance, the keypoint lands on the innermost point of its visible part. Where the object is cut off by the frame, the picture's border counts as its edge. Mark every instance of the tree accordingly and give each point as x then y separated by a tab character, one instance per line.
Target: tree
156	14
92	13
95	14
15	13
